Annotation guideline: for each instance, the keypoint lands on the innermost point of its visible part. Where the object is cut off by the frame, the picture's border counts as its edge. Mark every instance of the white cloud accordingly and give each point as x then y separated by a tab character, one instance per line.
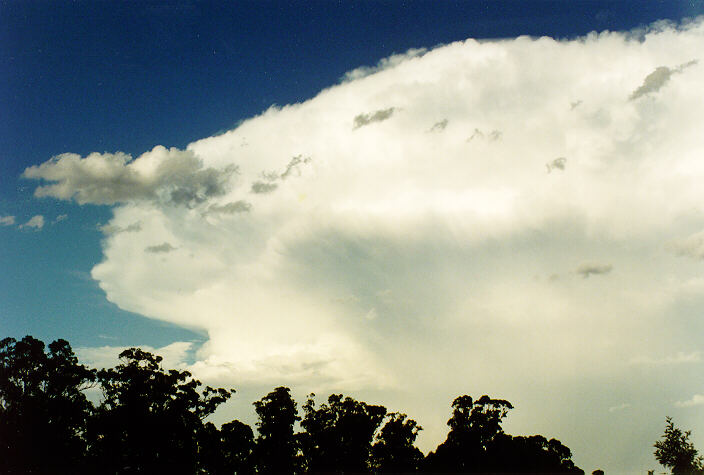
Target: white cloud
60	218
175	355
696	400
7	220
416	266
36	222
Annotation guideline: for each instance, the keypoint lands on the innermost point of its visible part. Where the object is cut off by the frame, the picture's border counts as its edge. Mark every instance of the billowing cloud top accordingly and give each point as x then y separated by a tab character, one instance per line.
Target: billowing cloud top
399	230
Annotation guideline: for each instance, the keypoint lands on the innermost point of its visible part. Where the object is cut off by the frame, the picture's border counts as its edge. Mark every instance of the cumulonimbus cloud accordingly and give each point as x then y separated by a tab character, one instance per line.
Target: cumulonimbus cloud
387	258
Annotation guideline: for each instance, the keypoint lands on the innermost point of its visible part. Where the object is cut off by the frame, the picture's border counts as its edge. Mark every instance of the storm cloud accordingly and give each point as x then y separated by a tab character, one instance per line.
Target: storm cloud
396	259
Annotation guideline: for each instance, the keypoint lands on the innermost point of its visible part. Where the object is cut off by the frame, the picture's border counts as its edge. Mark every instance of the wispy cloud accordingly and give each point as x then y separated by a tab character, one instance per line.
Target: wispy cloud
160	248
110	229
261	187
556	164
7	220
377	116
439	126
239	206
586	270
619	407
658	79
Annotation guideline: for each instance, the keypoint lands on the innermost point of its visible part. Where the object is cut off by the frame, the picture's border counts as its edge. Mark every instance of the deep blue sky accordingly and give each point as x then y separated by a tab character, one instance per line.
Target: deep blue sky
90	76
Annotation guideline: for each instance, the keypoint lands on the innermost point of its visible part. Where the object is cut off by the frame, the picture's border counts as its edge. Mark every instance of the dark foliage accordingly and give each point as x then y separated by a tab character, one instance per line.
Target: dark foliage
150	420
675	451
394	450
277	448
227	450
476	443
338	435
43	411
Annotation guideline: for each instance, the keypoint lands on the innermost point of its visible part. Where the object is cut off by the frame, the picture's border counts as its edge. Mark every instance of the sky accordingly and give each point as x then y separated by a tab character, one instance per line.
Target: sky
400	201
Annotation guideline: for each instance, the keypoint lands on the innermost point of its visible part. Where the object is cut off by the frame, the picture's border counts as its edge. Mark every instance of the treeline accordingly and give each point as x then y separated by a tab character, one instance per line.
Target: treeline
150	420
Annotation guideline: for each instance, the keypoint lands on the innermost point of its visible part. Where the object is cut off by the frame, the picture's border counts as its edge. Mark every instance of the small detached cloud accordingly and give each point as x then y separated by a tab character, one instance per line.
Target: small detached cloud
169	176
260	188
161	248
439	126
36	222
293	166
492	136
377	116
657	79
60	218
619	407
557	164
234	207
7	220
587	270
696	400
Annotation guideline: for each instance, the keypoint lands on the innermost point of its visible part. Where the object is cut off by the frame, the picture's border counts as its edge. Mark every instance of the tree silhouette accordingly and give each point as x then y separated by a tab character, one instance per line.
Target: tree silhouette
149	420
473	425
227	450
152	421
675	451
477	443
338	435
43	411
394	450
532	454
277	449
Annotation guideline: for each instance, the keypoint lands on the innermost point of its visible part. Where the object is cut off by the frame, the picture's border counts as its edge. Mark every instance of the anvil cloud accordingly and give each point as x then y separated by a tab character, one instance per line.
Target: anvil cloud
398	235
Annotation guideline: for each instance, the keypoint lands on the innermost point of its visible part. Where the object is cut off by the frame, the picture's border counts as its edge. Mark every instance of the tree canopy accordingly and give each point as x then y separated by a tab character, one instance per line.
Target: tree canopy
676	452
149	418
43	409
152	420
